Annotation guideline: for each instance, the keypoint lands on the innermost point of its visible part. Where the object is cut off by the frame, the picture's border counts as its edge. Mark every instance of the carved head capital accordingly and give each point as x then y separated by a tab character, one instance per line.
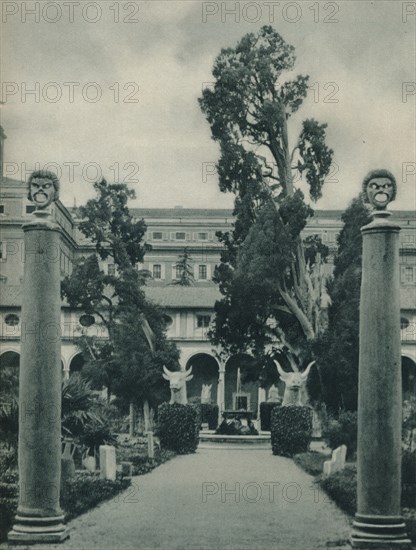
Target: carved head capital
379	188
43	188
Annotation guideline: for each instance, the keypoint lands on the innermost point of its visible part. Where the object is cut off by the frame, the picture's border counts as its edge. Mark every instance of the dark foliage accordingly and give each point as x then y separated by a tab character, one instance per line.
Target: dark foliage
336	351
178	427
266	415
209	414
291	430
342	431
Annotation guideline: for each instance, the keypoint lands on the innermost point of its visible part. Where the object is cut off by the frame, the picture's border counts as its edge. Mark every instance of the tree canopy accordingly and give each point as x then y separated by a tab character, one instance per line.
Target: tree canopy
126	356
337	349
270	279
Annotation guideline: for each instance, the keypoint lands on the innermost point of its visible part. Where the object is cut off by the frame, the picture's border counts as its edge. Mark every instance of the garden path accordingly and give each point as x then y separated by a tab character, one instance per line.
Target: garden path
188	503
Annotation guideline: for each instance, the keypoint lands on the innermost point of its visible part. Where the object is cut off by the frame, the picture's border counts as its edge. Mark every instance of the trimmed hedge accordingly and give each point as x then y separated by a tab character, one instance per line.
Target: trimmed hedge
266	408
178	427
209	414
291	430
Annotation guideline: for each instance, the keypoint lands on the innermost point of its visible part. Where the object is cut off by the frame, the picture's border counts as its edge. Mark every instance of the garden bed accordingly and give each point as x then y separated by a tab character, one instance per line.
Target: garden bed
342	487
78	495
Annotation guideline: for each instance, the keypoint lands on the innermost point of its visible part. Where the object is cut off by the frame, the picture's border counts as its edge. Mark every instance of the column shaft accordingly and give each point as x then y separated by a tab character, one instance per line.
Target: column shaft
39	517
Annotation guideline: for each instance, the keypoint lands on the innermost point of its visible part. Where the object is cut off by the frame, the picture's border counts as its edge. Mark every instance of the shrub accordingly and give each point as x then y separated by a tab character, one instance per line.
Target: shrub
78	494
178	427
342	488
409	478
291	430
86	490
266	414
312	462
342	431
209	414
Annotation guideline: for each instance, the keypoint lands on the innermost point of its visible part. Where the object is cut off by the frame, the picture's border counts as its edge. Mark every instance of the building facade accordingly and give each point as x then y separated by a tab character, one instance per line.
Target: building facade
188	310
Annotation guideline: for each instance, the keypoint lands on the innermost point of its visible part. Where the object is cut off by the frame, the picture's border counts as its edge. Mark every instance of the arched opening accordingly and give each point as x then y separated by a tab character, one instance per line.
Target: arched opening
408	378
76	364
243	395
205	371
9	375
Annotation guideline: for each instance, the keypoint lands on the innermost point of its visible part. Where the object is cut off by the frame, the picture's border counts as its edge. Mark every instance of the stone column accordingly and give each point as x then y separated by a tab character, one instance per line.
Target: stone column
378	523
39	518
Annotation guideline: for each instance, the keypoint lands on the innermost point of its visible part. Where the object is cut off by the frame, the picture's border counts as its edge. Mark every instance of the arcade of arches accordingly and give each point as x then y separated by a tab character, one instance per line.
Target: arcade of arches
206	369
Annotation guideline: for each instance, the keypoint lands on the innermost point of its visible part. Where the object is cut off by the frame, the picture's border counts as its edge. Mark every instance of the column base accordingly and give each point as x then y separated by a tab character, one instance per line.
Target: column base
34	530
379	532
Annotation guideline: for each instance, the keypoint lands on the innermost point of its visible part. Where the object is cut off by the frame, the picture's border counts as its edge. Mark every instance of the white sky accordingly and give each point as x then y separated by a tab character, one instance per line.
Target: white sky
168	51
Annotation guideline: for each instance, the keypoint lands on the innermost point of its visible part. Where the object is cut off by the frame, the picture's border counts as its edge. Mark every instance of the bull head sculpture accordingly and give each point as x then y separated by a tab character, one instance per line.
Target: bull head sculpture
294	382
177	384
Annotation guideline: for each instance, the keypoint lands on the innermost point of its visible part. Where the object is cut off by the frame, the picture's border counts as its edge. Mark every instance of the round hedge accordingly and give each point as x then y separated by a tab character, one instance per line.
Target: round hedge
178	427
291	430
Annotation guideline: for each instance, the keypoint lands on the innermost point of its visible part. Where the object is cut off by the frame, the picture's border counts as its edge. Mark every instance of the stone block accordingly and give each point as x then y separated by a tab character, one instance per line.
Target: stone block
150	445
108	462
337	461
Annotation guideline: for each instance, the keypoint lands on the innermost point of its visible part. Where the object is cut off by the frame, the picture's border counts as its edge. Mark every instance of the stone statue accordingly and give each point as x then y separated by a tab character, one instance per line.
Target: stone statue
379	188
177	384
273	395
206	393
294	384
43	188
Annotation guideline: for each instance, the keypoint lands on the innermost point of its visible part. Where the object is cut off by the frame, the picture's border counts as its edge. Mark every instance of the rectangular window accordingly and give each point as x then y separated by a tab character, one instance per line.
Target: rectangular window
409	275
202	236
2	252
30	208
202	321
180	236
157	235
1	208
111	269
157	271
178	272
202	272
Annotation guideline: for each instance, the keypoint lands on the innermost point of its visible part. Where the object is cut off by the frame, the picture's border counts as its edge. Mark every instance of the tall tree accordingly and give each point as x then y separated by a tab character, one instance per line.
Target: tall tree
116	299
184	266
337	348
270	280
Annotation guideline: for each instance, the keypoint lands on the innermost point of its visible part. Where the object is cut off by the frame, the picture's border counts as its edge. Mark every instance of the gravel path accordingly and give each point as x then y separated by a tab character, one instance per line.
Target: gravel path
189	503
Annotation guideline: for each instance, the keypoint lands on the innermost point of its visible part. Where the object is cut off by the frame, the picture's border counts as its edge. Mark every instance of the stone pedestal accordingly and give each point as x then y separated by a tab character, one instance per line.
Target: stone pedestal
378	523
39	517
108	465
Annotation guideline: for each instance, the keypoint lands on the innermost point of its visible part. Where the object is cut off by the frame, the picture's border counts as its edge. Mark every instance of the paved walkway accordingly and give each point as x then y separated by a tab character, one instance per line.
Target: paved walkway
189	503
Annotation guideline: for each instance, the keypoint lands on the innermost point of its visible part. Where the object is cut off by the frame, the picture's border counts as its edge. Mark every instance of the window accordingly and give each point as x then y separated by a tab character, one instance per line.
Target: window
1	208
178	272
157	271
157	235
111	269
407	274
202	272
86	320
180	236
11	320
202	321
202	236
30	208
3	252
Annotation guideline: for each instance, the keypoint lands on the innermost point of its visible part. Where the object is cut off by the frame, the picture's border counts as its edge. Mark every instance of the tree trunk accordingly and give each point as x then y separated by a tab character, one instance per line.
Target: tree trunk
132	420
